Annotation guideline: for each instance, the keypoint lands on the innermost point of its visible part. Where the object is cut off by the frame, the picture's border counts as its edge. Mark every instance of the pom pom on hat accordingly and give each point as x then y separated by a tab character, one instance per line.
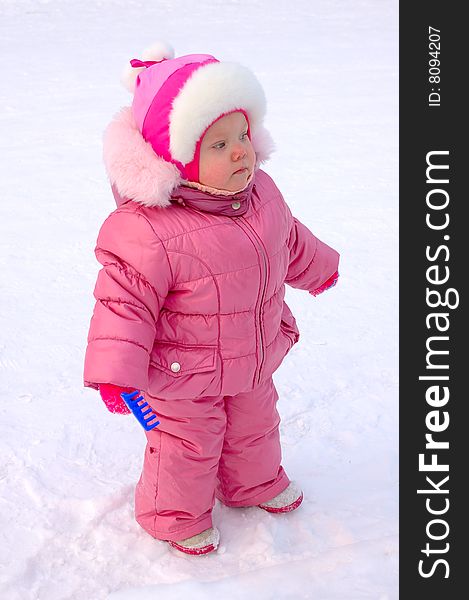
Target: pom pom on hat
156	52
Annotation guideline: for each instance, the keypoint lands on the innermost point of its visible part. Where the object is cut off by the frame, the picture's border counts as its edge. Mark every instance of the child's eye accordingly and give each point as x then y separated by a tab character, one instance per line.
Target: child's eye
245	135
219	145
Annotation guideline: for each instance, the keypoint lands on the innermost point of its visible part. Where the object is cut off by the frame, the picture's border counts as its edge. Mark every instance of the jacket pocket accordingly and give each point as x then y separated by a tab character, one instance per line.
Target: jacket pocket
288	325
290	332
177	360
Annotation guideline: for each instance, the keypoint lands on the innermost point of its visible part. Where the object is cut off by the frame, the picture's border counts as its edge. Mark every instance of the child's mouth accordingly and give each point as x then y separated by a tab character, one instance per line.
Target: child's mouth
239	171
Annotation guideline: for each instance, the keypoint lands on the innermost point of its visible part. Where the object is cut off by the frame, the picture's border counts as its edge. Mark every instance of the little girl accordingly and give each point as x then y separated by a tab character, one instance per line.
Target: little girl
190	304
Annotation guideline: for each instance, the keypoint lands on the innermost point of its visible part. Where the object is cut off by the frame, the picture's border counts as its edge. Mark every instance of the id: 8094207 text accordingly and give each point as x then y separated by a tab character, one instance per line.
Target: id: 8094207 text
434	50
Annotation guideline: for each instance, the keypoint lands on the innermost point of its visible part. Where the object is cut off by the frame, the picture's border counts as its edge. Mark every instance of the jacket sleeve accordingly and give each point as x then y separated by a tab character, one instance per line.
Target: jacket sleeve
130	290
313	264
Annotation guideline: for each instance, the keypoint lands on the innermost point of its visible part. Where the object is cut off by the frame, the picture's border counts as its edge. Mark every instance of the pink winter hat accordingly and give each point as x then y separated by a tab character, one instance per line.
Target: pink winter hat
177	99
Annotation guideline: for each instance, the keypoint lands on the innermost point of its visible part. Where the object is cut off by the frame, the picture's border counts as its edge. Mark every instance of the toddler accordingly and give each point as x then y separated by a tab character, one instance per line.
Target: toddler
190	307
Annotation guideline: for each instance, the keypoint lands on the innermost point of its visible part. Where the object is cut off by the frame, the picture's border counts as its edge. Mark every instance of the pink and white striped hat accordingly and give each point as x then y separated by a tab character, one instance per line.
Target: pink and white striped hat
175	100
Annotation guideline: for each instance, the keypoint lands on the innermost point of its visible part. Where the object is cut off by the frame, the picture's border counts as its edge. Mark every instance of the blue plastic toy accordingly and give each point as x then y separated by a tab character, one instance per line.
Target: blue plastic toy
141	409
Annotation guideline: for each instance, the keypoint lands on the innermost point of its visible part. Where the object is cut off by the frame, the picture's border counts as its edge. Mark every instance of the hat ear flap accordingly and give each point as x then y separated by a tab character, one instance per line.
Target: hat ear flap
133	168
263	144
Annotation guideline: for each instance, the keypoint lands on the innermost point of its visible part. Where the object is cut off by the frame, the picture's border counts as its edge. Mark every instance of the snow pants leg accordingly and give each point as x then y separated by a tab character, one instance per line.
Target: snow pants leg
249	470
225	445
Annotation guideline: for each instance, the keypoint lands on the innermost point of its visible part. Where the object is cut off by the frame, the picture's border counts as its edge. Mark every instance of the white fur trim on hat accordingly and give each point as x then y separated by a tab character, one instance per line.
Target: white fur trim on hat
212	90
156	51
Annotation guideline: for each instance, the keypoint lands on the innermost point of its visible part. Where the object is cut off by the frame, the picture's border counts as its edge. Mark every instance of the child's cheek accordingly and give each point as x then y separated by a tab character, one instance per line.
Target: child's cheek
218	169
252	156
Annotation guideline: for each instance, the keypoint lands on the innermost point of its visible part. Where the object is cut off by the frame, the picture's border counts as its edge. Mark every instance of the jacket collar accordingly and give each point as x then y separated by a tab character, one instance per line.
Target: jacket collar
218	202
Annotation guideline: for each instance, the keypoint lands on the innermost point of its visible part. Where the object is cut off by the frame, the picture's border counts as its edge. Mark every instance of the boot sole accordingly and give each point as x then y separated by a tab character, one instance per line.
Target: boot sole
283	509
193	551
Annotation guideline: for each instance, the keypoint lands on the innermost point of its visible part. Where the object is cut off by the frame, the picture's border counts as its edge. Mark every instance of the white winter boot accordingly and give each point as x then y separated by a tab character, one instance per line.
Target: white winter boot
202	543
286	501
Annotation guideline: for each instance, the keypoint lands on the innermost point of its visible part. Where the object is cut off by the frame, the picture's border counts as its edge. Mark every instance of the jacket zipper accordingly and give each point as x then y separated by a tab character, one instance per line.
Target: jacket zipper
264	273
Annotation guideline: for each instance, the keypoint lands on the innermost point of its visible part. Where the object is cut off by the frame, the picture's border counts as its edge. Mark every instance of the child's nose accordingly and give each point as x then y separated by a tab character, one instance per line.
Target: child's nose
239	152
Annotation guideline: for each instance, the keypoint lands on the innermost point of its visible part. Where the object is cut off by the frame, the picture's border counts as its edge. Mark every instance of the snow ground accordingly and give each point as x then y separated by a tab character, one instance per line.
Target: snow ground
67	467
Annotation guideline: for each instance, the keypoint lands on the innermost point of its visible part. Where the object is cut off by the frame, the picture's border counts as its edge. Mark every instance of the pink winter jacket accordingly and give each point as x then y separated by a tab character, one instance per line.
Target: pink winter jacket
190	299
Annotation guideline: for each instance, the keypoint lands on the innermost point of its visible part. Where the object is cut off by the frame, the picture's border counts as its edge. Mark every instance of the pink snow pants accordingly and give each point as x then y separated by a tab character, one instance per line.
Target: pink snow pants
223	446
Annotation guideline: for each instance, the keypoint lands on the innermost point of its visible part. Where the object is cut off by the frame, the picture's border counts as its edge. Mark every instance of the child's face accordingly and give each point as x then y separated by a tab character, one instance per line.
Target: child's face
227	157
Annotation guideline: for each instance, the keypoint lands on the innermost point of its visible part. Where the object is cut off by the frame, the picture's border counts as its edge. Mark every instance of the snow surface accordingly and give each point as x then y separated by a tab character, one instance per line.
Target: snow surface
67	466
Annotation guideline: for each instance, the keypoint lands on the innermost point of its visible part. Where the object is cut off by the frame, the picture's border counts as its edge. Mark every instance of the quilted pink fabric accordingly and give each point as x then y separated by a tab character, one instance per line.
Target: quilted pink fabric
190	297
